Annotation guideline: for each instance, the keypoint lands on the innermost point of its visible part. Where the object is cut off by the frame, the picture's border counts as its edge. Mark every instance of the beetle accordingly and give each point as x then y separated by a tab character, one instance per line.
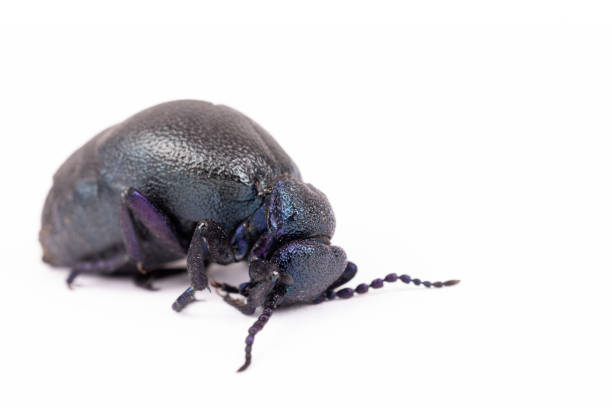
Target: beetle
192	179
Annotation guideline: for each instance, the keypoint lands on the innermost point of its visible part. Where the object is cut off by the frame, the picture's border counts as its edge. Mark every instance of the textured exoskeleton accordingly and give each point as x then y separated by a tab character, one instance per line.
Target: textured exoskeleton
201	181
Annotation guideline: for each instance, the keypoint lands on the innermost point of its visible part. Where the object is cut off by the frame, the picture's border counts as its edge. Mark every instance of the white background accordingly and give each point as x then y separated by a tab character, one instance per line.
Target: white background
471	151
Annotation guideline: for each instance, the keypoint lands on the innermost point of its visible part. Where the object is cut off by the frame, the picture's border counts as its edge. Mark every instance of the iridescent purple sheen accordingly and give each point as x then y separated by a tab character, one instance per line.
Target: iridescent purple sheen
377	283
362	288
239	243
392	277
261	248
155	221
247	234
345	293
405	278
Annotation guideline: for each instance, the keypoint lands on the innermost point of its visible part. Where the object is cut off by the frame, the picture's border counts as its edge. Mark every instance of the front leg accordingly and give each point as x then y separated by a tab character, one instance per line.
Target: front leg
208	244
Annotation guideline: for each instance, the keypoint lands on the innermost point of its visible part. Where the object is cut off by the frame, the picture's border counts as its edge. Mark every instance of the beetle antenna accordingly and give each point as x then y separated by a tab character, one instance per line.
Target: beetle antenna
269	306
347	293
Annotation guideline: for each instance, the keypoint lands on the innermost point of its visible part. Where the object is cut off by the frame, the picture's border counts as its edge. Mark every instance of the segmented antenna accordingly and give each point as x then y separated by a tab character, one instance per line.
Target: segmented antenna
276	298
253	330
269	306
347	293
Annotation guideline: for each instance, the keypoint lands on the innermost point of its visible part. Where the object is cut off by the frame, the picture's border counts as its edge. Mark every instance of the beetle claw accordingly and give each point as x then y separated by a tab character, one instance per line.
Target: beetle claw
217	287
234	301
141	268
145	282
225	287
71	277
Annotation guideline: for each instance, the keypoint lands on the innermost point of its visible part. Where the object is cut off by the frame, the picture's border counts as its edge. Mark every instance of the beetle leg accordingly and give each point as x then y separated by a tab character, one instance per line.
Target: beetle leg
208	244
104	265
225	287
146	281
71	277
239	304
136	207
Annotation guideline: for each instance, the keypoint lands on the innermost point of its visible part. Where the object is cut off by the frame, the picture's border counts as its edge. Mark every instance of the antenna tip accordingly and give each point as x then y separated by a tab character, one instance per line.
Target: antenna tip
451	282
246	365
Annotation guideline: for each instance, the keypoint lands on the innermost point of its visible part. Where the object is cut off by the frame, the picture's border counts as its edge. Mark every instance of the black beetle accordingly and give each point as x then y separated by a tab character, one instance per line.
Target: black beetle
189	178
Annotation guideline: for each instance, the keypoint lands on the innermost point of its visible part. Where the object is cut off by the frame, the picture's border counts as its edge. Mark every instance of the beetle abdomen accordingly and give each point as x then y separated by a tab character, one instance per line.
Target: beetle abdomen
193	160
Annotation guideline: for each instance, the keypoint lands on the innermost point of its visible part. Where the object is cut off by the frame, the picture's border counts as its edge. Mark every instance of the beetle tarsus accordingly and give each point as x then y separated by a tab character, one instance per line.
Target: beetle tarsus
145	282
187	297
71	277
227	288
241	305
105	264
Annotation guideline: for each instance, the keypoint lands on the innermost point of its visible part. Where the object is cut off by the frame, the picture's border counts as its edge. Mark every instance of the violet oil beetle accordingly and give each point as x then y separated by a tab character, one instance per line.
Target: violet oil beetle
202	181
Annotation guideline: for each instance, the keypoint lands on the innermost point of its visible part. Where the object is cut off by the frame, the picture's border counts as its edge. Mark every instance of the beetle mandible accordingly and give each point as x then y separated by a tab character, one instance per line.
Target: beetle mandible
202	181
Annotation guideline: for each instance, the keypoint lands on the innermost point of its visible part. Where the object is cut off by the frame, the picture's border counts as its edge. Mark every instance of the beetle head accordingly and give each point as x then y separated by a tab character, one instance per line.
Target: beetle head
302	270
292	210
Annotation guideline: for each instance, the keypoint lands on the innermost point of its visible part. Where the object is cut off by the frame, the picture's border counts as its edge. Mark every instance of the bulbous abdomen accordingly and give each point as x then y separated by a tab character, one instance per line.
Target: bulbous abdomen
191	159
